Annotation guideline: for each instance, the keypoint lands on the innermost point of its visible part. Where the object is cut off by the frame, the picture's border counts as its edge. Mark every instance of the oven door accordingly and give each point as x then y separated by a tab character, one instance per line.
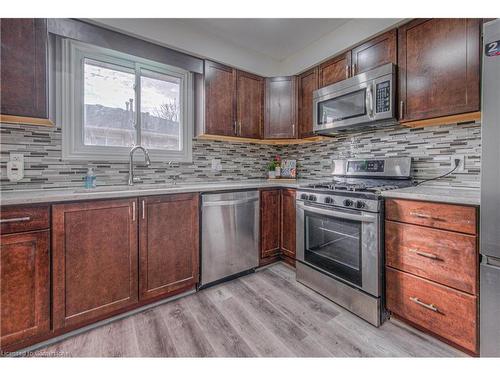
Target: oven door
342	243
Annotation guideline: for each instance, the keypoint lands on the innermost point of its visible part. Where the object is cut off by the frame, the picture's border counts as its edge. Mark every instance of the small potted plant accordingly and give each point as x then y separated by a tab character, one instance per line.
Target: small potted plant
271	168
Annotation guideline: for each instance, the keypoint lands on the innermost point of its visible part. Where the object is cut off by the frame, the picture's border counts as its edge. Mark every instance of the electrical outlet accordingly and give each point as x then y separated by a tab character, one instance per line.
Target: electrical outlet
461	160
216	165
17	157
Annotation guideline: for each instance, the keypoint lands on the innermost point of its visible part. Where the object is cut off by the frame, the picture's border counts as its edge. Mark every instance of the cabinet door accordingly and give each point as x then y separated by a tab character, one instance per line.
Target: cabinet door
220	91
169	245
25	281
94	260
374	53
288	228
308	82
24	67
250	104
335	69
280	113
270	222
438	67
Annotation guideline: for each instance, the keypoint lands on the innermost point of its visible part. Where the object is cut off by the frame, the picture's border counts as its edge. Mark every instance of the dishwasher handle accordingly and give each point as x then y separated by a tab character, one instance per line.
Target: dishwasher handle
236	202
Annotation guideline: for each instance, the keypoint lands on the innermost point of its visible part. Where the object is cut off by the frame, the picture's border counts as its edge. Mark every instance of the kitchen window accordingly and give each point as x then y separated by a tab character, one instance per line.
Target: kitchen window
111	101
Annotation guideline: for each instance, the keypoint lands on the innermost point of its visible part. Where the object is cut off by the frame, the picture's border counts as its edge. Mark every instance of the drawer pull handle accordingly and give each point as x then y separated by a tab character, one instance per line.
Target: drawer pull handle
423	254
15	220
431	306
420	215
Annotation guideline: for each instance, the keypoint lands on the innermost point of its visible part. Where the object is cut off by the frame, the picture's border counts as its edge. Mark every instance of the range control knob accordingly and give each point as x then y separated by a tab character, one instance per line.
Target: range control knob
329	200
313	198
348	203
360	204
303	196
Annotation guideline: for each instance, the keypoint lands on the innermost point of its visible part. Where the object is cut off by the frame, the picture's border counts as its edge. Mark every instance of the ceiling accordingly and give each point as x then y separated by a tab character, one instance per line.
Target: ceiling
274	37
265	46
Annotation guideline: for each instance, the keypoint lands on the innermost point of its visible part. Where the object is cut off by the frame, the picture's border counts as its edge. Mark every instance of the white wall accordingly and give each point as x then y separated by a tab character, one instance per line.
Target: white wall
176	34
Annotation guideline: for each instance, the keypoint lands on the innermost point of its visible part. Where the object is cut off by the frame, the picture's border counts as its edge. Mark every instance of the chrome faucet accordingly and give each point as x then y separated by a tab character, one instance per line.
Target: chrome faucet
131	178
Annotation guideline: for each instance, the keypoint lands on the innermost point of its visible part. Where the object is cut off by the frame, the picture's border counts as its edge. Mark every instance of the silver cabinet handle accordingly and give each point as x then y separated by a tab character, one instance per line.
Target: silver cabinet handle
239	128
293	130
431	306
143	209
424	254
15	220
133	211
353	69
401	105
235	127
347	71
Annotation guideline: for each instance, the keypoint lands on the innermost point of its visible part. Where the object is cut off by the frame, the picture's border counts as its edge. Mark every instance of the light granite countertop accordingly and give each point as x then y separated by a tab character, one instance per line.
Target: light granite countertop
441	194
103	192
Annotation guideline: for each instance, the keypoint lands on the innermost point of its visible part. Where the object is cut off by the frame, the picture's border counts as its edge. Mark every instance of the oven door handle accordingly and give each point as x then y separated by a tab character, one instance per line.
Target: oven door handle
331	213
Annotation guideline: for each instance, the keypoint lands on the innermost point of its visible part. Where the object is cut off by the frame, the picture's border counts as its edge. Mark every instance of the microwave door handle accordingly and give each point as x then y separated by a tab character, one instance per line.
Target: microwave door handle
369	101
332	213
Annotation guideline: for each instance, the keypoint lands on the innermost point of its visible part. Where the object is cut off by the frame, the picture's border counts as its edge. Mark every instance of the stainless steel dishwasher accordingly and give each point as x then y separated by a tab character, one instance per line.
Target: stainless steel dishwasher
229	235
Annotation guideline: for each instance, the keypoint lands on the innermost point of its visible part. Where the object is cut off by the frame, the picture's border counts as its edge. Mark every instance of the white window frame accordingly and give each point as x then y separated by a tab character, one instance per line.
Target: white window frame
69	104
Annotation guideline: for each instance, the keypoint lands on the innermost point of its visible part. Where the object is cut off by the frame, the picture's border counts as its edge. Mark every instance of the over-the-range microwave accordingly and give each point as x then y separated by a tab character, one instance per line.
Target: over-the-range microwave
365	100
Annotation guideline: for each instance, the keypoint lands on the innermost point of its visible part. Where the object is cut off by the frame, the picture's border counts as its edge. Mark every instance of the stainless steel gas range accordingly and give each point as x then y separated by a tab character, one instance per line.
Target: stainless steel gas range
340	233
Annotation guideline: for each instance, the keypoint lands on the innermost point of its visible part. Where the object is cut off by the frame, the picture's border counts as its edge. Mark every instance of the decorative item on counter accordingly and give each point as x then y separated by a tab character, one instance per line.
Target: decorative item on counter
277	169
90	179
289	169
274	168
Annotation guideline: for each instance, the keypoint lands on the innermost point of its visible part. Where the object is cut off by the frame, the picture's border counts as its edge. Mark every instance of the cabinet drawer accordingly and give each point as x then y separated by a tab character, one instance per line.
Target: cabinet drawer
448	258
24	218
443	311
436	215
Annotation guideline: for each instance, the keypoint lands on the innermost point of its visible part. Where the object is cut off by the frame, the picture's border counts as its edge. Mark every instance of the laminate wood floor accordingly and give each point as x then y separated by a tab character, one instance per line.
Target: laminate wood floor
265	314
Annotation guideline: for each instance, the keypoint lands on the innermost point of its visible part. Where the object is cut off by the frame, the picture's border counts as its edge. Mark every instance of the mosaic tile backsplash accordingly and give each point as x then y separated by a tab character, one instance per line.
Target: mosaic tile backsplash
432	149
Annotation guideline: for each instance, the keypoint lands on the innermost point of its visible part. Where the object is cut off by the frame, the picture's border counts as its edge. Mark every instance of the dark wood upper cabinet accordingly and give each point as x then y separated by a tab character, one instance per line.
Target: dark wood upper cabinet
24	68
308	82
288	221
374	53
95	253
280	112
269	222
334	70
168	245
439	67
25	281
250	104
220	101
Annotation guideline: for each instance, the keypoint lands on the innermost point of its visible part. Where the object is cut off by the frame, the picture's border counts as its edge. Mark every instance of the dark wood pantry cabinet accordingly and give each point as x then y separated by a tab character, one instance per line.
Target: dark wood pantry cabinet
439	67
168	244
94	260
280	108
23	79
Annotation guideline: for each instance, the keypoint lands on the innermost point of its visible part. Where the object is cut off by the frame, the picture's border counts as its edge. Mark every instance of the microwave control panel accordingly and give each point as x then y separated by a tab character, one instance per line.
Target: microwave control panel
383	97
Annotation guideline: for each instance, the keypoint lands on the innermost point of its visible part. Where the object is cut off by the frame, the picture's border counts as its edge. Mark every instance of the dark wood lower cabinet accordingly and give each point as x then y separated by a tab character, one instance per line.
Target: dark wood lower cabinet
169	244
269	223
94	260
25	286
288	229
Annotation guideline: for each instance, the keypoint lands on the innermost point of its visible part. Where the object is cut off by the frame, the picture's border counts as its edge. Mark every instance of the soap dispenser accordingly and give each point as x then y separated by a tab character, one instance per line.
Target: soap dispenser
90	179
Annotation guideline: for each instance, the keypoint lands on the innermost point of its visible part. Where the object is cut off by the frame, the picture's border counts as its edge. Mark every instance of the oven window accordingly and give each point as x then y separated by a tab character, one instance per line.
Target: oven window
334	245
342	107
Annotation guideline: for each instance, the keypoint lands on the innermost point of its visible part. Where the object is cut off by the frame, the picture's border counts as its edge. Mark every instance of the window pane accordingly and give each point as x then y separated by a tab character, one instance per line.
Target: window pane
160	111
109	105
